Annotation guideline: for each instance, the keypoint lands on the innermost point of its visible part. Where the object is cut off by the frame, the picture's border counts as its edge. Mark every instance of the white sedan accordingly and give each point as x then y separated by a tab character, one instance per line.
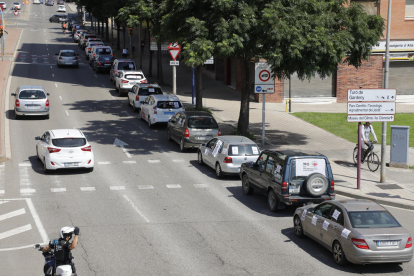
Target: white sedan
64	149
61	8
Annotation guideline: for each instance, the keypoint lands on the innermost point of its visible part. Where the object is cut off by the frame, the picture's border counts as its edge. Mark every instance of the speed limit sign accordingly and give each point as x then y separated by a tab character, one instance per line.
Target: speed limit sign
263	81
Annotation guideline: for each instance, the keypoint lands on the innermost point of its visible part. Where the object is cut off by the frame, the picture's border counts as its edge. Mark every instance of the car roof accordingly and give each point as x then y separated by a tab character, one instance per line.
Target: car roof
62	51
165	97
34	87
125	60
292	152
197	113
355	205
66	133
140	85
230	139
132	72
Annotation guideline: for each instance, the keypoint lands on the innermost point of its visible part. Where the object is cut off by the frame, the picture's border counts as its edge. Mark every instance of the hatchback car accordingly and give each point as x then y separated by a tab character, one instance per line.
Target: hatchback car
121	65
31	101
67	58
103	63
140	92
61	8
192	128
226	154
100	50
160	108
358	231
125	80
89	46
64	149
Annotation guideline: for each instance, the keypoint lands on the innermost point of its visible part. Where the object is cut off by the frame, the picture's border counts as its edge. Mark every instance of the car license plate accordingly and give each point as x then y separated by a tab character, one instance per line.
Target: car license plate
387	243
294	189
29	106
169	113
73	164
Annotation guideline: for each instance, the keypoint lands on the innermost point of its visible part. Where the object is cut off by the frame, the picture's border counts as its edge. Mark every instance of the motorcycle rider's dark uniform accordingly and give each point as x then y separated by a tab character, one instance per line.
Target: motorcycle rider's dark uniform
63	255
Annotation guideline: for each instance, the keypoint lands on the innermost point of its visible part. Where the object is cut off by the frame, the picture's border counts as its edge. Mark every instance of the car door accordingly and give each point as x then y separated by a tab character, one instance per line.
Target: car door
44	144
208	152
174	131
258	169
180	126
171	125
335	227
112	72
145	107
320	215
267	178
132	94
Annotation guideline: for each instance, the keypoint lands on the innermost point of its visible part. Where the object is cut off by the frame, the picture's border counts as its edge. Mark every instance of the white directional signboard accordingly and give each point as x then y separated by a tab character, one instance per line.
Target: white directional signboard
263	81
370	118
372	95
371	108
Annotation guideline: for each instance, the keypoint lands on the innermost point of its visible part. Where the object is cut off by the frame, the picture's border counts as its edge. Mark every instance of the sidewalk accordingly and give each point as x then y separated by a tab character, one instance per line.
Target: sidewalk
285	131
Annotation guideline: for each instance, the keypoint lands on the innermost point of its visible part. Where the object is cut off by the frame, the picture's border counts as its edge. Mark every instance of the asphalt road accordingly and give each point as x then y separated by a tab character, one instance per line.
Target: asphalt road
156	212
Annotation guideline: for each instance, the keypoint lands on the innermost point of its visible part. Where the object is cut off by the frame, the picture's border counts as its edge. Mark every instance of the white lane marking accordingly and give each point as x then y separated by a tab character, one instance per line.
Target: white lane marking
229	185
56	84
152	161
90	68
201	185
173	186
15	231
87	189
13	214
126	152
3	201
60	97
129	162
112	97
178	160
136	208
2	192
145	187
53	75
7	121
95	76
117	188
67	113
27	191
58	190
46	40
25	164
51	67
104	163
47	49
142	129
103	85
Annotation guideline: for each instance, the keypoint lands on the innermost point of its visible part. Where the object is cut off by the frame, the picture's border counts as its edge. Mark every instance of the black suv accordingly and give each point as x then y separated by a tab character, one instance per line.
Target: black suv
58	18
289	177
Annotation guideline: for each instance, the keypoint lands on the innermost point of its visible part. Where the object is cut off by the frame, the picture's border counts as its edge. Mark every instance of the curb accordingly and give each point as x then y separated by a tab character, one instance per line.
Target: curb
69	7
379	201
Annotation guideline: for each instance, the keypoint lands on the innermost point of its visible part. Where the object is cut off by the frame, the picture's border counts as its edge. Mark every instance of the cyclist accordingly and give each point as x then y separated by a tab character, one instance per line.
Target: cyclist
365	139
64	27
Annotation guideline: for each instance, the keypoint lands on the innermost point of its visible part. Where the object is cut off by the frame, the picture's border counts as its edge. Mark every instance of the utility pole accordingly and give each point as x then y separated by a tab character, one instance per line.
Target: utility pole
387	68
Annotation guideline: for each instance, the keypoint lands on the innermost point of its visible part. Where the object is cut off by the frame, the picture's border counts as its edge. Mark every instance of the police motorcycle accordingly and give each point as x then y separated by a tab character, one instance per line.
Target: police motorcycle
51	268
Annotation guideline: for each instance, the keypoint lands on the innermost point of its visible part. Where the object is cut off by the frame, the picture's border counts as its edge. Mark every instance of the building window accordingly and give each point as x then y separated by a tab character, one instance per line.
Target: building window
370	6
409	9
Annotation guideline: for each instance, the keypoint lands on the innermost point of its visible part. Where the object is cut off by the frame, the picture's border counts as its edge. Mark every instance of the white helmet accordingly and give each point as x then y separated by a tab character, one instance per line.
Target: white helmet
66	231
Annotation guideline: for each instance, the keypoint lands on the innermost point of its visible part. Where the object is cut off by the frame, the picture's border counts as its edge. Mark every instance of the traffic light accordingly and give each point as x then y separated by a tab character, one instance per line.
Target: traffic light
1	31
130	31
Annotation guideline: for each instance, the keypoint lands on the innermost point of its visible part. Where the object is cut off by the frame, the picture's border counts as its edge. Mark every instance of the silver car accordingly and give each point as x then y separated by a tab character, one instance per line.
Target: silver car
67	58
225	154
125	80
31	101
192	128
358	231
140	92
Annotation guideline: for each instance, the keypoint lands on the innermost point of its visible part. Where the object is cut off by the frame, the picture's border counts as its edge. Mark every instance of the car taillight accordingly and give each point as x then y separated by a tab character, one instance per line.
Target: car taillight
89	49
137	98
155	109
76	58
124	81
284	186
219	133
47	102
116	72
228	160
52	150
186	133
94	55
60	58
17	103
99	64
360	243
332	185
87	148
409	243
144	81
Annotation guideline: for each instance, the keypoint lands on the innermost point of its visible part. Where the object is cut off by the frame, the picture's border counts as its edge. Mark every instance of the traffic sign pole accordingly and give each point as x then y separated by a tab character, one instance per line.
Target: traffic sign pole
263	120
174	49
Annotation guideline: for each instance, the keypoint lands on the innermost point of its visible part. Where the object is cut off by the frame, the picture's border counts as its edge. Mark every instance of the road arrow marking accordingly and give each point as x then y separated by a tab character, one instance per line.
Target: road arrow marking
122	145
15	231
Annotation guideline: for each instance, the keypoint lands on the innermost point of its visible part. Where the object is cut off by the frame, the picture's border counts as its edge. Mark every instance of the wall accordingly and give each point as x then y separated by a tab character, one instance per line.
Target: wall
401	28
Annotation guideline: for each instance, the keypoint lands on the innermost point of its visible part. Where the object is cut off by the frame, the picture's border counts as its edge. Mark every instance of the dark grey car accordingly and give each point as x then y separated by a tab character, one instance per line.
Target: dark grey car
190	129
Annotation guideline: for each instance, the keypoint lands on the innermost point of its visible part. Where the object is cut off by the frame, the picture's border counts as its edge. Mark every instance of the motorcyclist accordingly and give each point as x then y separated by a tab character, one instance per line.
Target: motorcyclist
64	27
63	249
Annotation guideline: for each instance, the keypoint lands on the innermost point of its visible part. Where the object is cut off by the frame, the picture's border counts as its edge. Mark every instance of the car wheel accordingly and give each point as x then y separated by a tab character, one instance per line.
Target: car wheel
316	184
200	158
247	189
182	145
339	254
219	172
272	201
149	122
45	170
297	227
169	135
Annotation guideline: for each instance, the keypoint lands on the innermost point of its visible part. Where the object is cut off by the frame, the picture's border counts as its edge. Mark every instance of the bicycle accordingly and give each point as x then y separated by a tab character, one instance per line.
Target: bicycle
372	158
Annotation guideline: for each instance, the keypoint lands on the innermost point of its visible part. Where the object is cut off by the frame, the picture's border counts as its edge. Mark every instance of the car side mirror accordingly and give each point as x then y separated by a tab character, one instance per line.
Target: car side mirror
48	94
37	138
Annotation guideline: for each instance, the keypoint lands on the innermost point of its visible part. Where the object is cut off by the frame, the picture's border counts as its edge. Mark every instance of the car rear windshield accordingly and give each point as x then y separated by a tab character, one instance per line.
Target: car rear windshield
242	150
145	91
69	142
202	122
125	65
106	58
67	54
134	77
169	105
372	219
104	51
32	94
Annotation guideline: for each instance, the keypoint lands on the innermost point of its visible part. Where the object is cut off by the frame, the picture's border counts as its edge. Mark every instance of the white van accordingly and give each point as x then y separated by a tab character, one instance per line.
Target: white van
99	50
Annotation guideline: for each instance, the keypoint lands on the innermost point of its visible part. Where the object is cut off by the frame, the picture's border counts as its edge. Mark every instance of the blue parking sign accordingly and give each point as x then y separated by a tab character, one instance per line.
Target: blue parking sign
259	89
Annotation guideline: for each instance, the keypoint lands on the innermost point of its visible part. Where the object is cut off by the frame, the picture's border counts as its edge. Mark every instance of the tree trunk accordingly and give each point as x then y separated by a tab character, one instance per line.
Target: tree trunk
243	124
198	86
112	32
107	29
123	32
103	29
160	75
150	52
99	27
118	36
